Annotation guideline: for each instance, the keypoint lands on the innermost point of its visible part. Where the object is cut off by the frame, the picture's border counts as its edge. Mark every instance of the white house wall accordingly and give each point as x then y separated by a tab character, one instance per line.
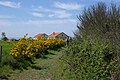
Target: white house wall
62	35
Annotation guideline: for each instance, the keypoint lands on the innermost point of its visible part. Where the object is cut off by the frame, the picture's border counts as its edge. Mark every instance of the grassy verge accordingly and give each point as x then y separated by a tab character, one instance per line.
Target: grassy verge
51	67
5	68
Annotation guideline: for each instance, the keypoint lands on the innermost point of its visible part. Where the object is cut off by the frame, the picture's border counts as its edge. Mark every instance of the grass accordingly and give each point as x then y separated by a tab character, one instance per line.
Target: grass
6	46
51	67
5	68
6	50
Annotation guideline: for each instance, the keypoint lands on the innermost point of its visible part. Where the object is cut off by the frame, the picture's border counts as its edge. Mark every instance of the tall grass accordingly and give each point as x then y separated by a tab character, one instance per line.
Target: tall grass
5	67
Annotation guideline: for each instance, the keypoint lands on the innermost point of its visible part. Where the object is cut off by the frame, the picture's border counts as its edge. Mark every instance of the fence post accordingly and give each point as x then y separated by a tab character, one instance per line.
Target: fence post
0	53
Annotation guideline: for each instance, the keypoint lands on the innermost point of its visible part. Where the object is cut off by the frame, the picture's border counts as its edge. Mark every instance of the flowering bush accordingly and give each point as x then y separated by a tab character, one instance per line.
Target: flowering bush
28	48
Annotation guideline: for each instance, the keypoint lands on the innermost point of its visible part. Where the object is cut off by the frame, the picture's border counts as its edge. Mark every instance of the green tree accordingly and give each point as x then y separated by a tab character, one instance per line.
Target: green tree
4	38
3	34
100	22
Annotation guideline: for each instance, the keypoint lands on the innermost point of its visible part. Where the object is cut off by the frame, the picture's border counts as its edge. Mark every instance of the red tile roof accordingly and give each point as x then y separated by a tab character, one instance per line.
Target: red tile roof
38	35
54	34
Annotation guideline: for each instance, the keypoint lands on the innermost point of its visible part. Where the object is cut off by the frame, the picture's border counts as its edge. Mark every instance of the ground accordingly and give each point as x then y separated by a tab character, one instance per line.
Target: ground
49	68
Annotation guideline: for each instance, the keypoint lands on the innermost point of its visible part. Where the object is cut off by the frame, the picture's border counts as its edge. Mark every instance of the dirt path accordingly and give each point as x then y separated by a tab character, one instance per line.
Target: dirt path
44	69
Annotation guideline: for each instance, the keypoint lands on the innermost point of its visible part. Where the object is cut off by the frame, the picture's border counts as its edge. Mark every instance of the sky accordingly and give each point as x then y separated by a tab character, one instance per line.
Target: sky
18	17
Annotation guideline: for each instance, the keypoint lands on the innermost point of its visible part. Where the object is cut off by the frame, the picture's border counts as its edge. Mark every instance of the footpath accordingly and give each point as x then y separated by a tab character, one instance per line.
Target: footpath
49	68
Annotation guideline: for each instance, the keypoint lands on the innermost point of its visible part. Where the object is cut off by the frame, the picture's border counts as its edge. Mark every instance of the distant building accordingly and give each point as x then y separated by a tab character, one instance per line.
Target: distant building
61	35
41	36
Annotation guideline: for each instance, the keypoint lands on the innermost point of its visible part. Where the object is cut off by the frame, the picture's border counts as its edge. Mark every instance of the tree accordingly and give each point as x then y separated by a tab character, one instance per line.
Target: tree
4	38
3	34
100	22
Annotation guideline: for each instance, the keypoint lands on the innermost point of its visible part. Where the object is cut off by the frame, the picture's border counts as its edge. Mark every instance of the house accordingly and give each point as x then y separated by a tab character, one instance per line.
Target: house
61	35
43	35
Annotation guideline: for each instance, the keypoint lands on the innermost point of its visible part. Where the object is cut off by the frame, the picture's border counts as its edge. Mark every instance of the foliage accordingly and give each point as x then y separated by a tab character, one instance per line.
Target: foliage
3	34
6	57
5	67
90	61
13	39
100	21
4	38
28	45
94	54
4	70
28	48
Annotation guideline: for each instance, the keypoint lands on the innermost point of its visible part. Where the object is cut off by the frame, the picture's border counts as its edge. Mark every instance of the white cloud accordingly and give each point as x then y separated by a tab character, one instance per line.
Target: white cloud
52	12
67	6
10	4
49	26
60	14
41	9
33	27
49	22
37	14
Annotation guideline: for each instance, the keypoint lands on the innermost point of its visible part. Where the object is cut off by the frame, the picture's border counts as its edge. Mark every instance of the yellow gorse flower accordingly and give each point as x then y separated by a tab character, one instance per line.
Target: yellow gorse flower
28	47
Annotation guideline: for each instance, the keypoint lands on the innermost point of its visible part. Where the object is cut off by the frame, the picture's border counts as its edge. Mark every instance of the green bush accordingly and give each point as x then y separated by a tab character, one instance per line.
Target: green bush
21	64
90	61
95	55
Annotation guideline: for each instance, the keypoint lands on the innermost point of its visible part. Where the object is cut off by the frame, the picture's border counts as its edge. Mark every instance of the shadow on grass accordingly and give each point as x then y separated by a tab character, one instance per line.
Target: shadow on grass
4	77
43	55
51	53
38	67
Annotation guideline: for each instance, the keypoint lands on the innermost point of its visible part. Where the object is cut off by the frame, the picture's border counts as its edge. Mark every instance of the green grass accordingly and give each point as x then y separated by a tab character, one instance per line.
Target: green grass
51	67
5	68
6	50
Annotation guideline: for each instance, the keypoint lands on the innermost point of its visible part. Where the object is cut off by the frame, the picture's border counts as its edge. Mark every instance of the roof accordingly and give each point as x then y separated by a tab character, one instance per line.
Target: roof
39	35
54	34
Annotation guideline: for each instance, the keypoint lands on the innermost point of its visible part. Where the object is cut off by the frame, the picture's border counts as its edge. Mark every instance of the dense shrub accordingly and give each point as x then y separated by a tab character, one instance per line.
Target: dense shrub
90	61
94	55
28	48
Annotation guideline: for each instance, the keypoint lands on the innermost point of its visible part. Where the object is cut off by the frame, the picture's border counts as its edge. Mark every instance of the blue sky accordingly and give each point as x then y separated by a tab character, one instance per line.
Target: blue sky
18	17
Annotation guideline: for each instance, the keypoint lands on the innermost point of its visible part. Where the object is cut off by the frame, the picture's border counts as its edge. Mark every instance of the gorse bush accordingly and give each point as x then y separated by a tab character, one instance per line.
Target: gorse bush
23	48
28	48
